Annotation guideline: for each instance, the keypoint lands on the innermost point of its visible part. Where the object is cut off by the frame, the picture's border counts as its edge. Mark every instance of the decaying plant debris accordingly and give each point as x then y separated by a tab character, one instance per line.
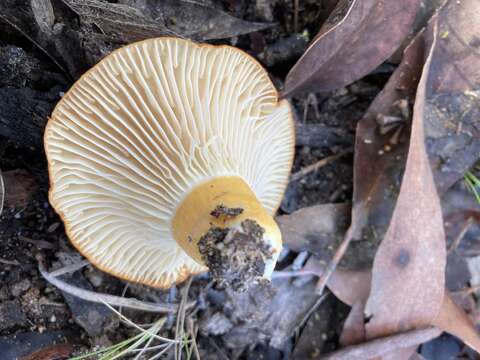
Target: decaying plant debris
381	231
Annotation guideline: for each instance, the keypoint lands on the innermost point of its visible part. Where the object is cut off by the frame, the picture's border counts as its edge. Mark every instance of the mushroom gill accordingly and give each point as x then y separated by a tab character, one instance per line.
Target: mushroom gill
153	138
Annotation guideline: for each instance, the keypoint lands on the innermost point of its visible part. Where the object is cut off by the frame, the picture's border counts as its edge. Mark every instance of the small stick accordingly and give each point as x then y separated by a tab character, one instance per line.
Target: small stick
295	15
319	164
9	262
466	225
106	298
332	265
69	268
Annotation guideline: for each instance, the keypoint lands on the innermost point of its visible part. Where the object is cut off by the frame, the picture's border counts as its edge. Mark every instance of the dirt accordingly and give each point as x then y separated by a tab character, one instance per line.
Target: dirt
235	257
227	212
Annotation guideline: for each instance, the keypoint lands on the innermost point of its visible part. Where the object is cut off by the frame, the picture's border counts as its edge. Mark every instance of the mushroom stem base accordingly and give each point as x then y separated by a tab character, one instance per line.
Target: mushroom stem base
224	203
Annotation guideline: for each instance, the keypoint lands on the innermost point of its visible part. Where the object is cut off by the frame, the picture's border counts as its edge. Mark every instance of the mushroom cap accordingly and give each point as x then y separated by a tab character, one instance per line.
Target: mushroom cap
142	128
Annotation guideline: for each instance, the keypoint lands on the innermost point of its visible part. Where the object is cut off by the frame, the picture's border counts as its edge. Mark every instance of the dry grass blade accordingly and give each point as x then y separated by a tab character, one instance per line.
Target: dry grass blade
106	298
180	325
319	164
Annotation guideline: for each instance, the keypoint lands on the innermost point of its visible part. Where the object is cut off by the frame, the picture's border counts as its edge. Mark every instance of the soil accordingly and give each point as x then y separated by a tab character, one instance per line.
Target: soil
41	54
235	257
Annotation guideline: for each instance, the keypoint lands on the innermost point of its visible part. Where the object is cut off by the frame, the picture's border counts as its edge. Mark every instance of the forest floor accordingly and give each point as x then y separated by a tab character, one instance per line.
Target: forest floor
42	52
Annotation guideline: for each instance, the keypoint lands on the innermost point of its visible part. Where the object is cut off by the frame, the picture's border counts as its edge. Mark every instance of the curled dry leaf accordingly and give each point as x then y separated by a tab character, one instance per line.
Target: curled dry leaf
383	346
408	276
121	21
198	21
380	152
352	288
453	320
381	147
357	37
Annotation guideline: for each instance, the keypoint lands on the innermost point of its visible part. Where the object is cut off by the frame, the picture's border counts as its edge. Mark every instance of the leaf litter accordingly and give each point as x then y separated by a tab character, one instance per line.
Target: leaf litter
398	179
357	37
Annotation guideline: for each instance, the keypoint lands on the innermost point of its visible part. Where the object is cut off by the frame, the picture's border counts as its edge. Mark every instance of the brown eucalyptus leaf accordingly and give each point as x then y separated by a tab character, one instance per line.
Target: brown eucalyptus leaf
352	288
357	37
380	155
455	321
314	228
199	20
121	21
354	327
408	275
452	98
383	346
319	229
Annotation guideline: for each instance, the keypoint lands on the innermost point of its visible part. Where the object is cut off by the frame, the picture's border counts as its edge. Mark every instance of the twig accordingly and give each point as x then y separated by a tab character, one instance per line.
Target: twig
193	330
325	276
311	310
219	350
9	262
4	18
319	164
69	268
463	230
295	273
106	298
295	15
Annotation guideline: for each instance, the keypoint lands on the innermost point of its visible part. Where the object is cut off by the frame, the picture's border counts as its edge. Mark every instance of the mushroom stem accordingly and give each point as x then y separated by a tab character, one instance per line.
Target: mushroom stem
223	203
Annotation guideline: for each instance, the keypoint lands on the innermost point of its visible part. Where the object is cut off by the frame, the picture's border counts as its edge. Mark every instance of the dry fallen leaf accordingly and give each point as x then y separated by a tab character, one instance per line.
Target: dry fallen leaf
381	147
314	228
357	37
453	320
384	345
118	20
198	20
319	229
408	275
380	152
452	97
352	288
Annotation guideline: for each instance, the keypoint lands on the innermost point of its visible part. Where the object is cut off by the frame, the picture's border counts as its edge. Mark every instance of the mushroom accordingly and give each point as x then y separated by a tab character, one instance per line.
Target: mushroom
170	157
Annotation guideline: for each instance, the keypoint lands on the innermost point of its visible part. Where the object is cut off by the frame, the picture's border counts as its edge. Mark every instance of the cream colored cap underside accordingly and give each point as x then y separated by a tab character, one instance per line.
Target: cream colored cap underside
139	130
